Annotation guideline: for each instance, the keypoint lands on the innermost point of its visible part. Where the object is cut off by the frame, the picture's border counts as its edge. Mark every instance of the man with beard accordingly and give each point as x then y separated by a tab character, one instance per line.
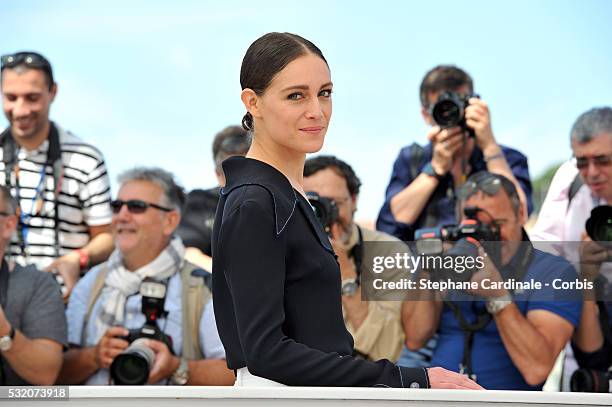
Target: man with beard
375	325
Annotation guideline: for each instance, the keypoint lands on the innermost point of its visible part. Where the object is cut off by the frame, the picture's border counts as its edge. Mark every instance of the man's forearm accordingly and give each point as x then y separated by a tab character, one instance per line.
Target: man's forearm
99	248
407	205
528	349
497	164
210	372
79	364
37	361
588	337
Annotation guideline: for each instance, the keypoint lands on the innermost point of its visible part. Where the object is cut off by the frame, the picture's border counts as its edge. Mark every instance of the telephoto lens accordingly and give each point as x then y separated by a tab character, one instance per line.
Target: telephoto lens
132	366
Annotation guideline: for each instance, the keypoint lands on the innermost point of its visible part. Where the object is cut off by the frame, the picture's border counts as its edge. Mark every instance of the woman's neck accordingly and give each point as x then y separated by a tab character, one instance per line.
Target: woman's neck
289	162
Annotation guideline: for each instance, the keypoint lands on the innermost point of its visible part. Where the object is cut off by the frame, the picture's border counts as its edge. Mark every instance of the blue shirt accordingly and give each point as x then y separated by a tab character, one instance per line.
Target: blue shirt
172	324
443	198
490	361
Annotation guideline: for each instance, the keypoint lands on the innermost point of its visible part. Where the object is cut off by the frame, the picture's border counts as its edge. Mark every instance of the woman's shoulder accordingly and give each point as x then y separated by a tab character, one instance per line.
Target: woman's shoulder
253	185
249	196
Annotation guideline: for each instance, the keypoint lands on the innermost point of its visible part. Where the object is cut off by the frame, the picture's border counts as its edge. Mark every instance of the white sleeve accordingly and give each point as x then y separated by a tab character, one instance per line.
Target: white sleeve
550	224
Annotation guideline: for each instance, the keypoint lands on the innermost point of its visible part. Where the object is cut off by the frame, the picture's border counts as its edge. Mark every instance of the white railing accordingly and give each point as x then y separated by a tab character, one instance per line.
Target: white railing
152	396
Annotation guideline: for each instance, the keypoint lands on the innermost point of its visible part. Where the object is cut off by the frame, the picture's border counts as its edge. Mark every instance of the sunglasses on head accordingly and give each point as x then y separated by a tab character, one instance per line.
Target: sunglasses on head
29	59
599	160
486	182
135	206
24	58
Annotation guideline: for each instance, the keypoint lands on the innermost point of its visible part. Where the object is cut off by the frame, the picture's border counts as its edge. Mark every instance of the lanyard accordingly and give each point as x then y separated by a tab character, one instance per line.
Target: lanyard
35	210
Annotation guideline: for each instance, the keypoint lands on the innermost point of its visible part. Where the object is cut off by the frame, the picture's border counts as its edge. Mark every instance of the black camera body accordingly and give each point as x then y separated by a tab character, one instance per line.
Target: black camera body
599	225
591	381
133	365
449	110
149	331
467	236
325	210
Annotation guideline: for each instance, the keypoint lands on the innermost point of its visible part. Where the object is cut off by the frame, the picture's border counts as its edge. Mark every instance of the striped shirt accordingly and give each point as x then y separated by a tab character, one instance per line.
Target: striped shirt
84	198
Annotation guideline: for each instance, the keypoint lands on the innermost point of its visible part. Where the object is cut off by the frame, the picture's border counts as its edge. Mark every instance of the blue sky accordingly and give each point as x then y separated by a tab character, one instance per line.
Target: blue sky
150	83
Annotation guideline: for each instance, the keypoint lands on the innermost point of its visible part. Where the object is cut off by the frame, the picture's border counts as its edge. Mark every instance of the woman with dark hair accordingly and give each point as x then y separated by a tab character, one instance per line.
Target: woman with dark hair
276	279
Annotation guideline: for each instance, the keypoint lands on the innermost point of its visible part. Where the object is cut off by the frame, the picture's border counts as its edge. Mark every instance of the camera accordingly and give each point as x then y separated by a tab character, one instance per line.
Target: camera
591	381
467	236
449	110
325	210
599	225
132	366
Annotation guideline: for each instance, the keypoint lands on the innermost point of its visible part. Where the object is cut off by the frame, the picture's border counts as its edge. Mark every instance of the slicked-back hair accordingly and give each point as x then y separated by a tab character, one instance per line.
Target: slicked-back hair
266	57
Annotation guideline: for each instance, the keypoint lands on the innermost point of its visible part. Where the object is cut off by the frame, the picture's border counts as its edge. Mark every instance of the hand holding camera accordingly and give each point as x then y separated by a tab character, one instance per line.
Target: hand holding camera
490	272
478	118
468	113
595	248
165	361
110	346
446	143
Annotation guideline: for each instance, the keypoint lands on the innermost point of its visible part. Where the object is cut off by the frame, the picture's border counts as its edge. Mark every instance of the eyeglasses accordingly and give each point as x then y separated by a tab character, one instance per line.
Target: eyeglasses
135	206
29	59
603	160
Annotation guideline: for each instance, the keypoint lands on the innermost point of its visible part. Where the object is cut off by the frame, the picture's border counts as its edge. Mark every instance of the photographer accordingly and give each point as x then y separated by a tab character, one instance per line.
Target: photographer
196	224
375	325
421	192
521	332
579	186
32	321
145	297
65	228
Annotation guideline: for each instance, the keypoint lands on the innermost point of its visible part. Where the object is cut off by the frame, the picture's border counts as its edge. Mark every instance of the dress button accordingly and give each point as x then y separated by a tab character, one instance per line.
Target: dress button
414	385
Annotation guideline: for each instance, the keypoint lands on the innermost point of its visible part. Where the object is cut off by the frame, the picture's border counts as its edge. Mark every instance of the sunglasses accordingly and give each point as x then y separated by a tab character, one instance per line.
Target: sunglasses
582	163
135	206
29	59
486	182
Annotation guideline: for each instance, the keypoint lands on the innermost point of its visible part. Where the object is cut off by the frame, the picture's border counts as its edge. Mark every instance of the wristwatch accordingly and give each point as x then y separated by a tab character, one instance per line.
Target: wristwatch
494	305
180	377
429	170
7	341
349	286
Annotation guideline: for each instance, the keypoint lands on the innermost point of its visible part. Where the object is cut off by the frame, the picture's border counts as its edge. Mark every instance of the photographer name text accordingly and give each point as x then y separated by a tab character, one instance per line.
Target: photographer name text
484	284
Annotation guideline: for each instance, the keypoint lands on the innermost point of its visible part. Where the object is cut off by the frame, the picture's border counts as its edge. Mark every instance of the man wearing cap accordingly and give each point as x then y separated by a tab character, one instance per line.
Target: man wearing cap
59	181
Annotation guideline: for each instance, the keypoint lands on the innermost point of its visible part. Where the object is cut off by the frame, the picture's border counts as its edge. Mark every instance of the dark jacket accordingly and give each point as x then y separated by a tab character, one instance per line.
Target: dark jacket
276	288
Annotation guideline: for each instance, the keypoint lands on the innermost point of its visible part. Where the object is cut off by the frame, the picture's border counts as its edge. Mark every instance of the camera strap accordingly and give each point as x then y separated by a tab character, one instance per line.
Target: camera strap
357	254
469	329
525	254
